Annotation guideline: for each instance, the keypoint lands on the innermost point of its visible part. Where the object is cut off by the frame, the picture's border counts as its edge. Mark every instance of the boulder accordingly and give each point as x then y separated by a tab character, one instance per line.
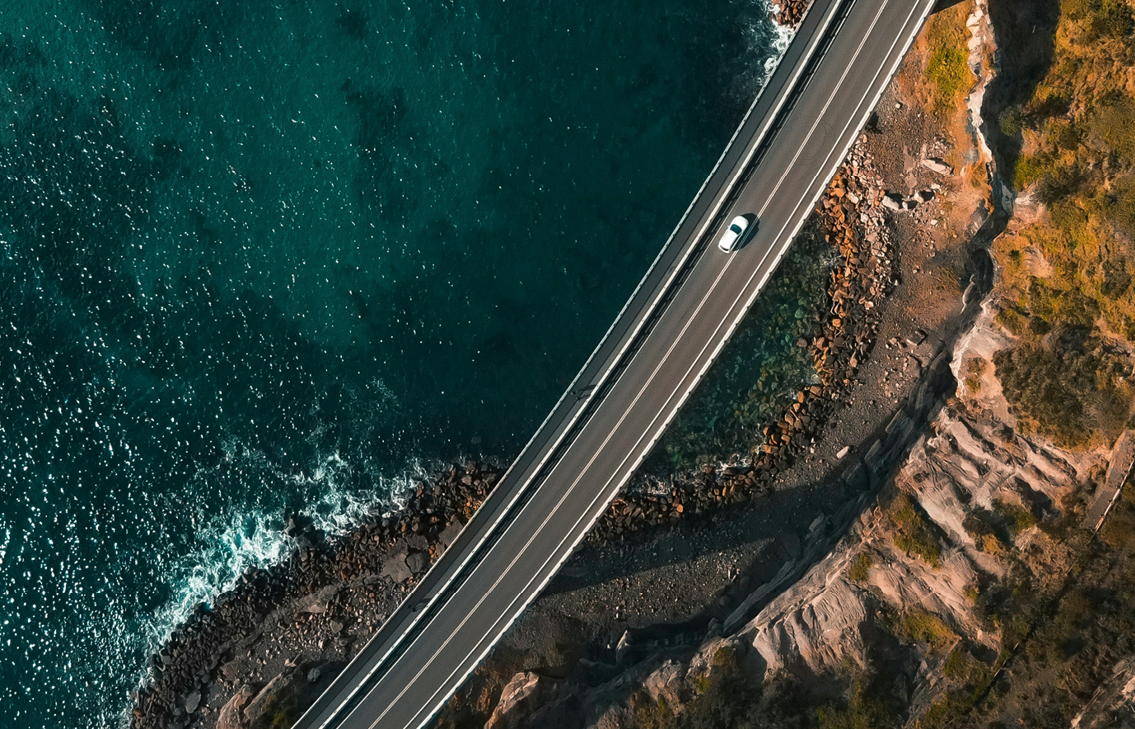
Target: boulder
450	533
318	602
277	694
417	562
937	165
192	701
232	714
522	695
395	568
664	684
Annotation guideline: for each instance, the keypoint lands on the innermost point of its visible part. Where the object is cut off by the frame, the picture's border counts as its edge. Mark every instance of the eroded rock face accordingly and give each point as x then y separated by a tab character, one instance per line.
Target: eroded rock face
819	631
520	696
232	714
277	693
966	463
1113	705
665	684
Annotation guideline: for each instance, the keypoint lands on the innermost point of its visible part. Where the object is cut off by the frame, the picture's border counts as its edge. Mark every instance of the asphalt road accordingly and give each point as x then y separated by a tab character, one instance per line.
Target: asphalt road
678	319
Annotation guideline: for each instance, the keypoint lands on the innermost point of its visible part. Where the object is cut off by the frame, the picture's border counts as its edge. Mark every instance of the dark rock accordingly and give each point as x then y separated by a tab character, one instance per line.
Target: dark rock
417	562
449	534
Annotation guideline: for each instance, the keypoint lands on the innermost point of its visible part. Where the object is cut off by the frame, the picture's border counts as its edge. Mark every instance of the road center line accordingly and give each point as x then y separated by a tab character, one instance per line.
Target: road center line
642	390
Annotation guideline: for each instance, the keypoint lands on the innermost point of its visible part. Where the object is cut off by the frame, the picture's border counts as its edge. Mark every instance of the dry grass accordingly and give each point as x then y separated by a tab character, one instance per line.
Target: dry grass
947	73
1079	160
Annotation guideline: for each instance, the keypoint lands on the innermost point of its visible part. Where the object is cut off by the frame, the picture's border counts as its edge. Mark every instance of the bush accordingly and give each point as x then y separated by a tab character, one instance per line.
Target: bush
1112	127
651	714
919	626
1020	518
949	72
1113	19
870	705
860	567
732	701
1030	169
1068	388
913	533
1013	320
1060	182
1011	121
974	370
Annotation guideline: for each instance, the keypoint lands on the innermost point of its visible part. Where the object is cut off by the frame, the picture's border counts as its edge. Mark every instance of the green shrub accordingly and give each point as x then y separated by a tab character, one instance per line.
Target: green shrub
919	626
1020	518
962	667
1113	19
913	533
651	714
1011	121
974	371
1013	320
1030	169
871	705
860	567
949	74
1068	387
1112	127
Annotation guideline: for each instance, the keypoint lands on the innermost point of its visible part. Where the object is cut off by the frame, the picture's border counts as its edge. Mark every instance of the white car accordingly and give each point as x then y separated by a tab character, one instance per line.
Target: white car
733	234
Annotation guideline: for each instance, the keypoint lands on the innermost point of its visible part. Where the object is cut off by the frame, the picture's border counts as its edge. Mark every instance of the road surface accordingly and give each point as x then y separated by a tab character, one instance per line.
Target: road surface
680	316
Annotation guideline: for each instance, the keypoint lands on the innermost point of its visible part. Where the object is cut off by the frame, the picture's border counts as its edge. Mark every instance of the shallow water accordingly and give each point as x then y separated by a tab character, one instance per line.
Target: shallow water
261	255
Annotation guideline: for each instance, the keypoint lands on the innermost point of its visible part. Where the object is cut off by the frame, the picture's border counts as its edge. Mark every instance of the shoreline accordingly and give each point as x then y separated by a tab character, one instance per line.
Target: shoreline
382	556
378	560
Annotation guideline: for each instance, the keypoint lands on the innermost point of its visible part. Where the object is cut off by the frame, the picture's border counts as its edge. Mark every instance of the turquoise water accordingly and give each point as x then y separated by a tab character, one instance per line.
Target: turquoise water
261	255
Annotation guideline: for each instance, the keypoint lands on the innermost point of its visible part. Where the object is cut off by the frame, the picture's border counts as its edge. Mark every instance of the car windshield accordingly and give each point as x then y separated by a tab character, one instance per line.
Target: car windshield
735	228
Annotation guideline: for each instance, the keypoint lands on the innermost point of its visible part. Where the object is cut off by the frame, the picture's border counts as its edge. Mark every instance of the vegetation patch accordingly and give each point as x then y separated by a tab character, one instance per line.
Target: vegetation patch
651	714
974	371
871	703
860	567
1069	377
1020	518
912	532
1071	387
947	68
922	627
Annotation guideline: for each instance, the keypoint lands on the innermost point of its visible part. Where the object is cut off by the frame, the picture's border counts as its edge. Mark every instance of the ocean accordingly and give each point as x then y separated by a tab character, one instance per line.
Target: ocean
262	256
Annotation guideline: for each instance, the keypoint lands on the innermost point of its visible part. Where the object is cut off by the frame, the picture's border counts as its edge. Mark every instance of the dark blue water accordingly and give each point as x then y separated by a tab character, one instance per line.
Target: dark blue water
260	255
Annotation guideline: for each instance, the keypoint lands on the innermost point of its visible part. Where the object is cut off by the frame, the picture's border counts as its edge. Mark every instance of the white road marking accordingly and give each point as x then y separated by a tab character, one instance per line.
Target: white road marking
642	390
652	377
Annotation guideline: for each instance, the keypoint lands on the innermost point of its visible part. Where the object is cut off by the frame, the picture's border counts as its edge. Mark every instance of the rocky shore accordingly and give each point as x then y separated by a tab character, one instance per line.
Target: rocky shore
789	13
297	623
262	651
265	649
850	219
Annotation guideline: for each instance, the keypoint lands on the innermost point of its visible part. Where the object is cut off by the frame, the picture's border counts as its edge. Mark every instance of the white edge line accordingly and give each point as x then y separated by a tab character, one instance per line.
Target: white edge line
680	261
796	230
